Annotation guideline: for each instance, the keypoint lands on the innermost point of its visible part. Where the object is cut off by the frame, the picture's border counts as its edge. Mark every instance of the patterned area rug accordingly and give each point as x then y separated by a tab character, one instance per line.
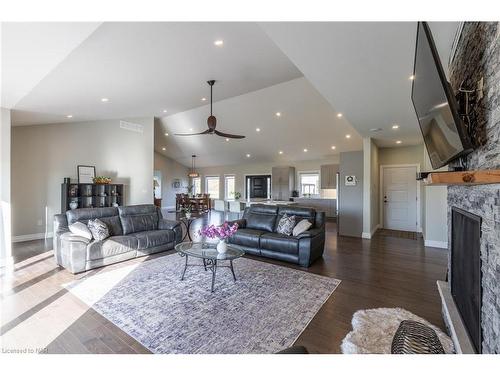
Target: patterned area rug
264	311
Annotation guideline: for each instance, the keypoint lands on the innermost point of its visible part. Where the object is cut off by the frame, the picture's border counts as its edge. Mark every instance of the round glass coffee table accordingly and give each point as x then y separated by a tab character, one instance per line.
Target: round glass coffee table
210	256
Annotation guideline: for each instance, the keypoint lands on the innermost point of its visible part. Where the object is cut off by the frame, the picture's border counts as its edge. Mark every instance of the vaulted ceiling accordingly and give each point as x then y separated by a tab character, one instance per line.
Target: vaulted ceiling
309	72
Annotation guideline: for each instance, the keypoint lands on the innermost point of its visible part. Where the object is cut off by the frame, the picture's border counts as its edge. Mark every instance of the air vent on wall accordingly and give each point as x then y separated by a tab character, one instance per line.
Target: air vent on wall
138	128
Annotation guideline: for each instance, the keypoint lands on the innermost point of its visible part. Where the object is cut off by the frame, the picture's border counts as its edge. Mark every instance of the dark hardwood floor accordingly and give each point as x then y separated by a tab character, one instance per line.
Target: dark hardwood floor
385	271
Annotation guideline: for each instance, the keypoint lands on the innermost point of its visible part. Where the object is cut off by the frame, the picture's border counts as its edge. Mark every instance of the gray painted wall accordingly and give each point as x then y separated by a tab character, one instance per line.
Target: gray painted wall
5	191
170	170
42	155
351	197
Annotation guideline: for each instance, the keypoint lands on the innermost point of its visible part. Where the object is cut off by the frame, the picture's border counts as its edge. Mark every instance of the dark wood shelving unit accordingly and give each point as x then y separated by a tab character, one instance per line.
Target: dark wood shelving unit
91	195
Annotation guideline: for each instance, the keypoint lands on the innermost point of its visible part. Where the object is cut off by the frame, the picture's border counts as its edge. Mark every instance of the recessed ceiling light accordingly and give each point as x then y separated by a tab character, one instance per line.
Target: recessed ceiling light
257	129
227	139
166	134
395	126
165	111
281	152
104	100
163	148
190	129
278	114
333	147
305	150
248	155
398	142
219	43
203	99
348	136
411	78
69	116
339	115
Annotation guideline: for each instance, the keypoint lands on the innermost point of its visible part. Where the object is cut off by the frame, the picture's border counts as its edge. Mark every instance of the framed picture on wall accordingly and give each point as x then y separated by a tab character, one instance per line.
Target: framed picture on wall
86	174
176	184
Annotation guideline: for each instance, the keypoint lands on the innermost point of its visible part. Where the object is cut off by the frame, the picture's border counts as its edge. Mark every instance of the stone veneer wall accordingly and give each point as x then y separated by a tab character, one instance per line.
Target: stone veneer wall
478	55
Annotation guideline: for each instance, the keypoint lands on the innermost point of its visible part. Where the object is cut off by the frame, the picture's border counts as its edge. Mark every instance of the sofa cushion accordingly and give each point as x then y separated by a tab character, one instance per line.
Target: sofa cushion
246	237
286	225
262	222
299	213
280	243
138	218
98	229
153	238
301	227
114	225
111	246
80	229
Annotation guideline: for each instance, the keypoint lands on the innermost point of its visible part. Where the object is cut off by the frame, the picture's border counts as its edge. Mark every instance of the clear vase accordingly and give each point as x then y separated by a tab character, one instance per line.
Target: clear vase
222	246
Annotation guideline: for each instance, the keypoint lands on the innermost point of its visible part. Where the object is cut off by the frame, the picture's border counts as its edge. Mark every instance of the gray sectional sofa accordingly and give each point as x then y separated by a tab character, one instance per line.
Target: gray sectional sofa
134	231
257	235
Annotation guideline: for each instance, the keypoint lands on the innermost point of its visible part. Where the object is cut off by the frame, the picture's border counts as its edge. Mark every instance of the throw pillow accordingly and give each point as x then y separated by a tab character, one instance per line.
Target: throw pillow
301	227
80	229
286	224
99	229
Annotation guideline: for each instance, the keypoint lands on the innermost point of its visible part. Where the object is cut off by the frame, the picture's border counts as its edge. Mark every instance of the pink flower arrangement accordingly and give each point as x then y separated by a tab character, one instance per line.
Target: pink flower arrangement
222	232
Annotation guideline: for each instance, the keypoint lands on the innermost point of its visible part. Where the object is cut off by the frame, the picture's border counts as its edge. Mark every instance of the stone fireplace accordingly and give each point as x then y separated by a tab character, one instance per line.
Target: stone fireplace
478	56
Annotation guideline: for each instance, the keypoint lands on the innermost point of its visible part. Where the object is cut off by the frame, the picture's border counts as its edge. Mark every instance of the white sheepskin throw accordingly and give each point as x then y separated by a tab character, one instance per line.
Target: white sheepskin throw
374	329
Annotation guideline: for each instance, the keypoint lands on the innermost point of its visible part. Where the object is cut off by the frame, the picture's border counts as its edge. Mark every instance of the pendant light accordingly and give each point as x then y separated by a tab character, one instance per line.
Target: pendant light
193	172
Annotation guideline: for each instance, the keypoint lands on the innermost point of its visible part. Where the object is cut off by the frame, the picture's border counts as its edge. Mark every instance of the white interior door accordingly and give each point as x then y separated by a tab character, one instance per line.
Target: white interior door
400	198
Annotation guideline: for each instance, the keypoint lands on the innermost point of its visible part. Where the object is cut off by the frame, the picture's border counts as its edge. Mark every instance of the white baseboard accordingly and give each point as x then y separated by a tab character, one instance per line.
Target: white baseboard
367	235
440	244
31	237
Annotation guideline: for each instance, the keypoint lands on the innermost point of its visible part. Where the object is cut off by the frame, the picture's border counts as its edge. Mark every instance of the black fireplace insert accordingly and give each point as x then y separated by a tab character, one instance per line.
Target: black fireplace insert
466	271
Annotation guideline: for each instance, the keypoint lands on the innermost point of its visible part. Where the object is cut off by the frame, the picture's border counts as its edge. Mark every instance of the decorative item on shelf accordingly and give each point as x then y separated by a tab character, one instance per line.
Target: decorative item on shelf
101	180
67	180
187	209
222	232
73	205
85	174
73	191
295	193
237	195
189	189
115	204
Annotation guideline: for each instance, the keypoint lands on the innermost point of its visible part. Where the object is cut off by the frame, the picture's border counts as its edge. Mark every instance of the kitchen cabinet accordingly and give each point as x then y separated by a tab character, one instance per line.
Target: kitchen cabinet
328	206
283	182
329	176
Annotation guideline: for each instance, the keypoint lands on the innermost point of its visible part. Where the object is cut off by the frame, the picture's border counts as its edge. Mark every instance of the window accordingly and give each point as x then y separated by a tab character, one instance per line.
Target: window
229	187
309	183
196	185
212	186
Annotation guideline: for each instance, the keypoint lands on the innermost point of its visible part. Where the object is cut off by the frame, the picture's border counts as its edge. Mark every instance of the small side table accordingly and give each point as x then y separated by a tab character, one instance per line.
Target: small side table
187	224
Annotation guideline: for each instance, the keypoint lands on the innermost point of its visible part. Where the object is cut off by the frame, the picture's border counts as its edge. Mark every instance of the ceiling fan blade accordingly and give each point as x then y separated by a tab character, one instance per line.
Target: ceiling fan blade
228	135
186	135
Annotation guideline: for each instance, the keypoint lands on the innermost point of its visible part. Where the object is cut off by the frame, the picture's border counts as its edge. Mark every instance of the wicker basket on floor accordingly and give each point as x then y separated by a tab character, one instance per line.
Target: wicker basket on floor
415	338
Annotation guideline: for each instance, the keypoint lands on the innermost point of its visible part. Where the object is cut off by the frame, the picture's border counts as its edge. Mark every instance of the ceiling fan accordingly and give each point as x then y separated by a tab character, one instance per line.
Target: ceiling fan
212	122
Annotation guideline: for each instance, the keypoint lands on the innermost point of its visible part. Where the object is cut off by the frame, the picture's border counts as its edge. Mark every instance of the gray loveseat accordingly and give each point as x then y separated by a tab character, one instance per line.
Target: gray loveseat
134	231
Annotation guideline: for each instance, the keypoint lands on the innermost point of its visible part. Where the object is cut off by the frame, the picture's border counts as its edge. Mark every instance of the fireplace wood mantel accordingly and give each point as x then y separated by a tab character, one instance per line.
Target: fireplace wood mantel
479	177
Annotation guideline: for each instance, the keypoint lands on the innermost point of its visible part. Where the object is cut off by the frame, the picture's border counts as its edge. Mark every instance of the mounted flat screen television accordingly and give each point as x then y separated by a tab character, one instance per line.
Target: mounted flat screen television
445	134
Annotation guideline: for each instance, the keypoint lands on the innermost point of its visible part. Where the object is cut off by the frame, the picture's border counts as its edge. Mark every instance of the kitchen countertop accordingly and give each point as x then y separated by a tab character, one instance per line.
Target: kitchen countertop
313	198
